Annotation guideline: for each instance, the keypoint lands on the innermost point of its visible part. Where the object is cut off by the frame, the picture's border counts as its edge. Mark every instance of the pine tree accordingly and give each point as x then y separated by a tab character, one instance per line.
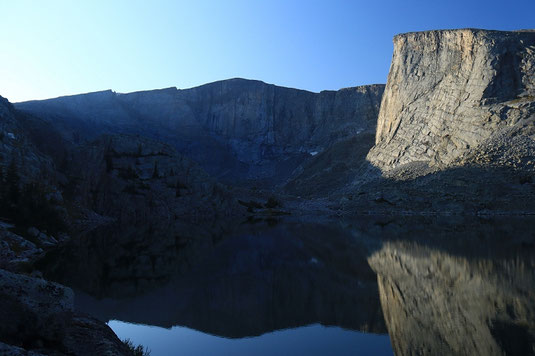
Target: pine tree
12	182
3	201
155	173
177	187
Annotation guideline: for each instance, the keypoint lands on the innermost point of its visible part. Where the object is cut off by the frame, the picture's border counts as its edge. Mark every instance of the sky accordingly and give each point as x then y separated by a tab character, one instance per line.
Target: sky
54	48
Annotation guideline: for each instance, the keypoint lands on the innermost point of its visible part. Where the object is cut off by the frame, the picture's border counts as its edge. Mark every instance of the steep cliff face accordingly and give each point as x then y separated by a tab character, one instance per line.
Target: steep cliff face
450	91
238	130
287	118
17	147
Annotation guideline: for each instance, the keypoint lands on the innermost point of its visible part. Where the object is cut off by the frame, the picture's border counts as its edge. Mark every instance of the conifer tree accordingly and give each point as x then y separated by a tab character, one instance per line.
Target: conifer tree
155	173
12	181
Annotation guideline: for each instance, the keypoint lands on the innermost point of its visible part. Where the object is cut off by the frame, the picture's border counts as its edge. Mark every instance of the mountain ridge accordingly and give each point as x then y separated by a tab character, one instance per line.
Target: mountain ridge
238	130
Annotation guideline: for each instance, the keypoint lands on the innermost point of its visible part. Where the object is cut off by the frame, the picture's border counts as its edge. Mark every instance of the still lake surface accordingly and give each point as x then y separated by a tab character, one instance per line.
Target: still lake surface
369	286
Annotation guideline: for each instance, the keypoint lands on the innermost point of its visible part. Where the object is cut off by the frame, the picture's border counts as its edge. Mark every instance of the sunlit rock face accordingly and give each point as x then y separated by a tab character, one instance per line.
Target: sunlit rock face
450	91
462	300
456	129
238	130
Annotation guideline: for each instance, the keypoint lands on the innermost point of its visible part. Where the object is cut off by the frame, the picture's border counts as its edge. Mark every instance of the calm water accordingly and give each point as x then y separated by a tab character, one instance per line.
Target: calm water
306	340
373	286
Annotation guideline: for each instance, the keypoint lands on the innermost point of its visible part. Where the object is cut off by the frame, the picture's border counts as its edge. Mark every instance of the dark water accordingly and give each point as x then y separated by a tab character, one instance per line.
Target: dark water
370	286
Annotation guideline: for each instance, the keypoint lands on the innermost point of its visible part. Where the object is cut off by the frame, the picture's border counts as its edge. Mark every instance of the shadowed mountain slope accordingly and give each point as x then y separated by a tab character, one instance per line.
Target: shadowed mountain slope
238	130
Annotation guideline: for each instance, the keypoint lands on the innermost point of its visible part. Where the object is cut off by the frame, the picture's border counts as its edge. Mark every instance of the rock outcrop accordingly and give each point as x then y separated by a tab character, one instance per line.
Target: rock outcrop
17	147
448	92
238	130
52	188
140	181
456	129
38	318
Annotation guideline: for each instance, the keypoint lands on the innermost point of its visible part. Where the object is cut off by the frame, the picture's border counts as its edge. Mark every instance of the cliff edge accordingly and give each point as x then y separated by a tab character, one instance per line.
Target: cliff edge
450	91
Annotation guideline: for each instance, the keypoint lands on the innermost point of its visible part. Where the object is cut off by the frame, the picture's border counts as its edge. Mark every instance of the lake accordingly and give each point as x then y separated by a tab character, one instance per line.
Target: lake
366	286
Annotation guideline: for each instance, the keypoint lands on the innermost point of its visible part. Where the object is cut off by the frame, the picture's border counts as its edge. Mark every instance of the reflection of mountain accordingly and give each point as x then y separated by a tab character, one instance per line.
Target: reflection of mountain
249	283
466	291
446	285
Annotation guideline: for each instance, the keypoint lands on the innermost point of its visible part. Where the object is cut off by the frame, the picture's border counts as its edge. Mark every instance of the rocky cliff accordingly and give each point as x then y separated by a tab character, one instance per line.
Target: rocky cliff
456	129
448	92
16	146
238	130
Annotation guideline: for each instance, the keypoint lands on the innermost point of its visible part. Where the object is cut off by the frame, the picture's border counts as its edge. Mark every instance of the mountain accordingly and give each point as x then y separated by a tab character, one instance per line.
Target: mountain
456	129
450	92
453	132
240	131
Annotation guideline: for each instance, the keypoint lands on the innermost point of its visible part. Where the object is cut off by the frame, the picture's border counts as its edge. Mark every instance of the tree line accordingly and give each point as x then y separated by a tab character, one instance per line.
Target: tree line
28	204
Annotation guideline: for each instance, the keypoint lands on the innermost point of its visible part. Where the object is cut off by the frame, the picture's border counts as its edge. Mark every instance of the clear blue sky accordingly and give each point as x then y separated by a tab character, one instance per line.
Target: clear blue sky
53	48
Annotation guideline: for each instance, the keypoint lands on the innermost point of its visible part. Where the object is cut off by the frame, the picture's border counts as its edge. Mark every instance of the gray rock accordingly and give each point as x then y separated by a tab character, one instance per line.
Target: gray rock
43	239
10	350
238	130
455	133
39	296
450	91
38	318
16	250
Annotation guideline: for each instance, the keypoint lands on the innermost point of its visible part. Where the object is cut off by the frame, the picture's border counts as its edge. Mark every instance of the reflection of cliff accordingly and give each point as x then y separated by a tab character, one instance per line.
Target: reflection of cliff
447	286
440	303
246	284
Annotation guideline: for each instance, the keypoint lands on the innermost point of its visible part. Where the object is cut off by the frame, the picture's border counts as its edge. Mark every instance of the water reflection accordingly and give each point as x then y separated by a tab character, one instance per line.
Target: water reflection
308	340
443	286
255	280
460	290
